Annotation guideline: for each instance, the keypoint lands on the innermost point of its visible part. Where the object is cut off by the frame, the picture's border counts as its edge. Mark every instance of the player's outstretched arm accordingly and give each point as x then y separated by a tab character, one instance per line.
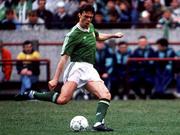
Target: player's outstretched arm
53	83
103	36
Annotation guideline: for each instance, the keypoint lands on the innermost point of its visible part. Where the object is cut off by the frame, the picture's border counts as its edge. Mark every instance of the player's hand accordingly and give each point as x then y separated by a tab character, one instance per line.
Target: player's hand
105	75
52	84
24	71
29	72
118	35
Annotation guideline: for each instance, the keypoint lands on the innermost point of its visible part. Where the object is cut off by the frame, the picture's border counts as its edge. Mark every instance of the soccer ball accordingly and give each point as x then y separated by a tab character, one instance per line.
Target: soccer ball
79	123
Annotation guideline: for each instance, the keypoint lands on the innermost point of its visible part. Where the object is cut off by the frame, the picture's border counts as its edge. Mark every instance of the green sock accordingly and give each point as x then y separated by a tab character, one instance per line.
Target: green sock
101	110
47	96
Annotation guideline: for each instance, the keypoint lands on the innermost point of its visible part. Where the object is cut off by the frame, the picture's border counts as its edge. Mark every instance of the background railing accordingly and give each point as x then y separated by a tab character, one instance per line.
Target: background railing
61	43
45	62
154	59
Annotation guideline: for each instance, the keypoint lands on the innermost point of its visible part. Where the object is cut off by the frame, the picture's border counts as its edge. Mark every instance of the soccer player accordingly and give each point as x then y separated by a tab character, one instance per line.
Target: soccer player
80	46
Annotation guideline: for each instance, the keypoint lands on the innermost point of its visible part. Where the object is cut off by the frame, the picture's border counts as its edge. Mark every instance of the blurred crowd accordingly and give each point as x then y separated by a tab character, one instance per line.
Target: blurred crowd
147	79
61	14
27	69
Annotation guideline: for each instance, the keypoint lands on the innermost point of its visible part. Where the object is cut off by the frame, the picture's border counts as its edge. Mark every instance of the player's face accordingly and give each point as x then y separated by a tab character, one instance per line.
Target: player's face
33	19
142	43
123	48
42	3
28	48
161	48
100	45
85	19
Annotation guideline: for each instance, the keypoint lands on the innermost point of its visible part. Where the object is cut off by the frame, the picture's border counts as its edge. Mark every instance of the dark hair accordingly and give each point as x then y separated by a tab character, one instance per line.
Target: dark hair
41	0
26	42
163	42
122	43
9	11
32	13
113	13
142	37
99	13
86	8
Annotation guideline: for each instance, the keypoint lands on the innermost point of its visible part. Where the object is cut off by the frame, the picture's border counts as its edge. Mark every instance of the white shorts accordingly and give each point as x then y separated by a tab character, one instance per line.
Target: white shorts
81	73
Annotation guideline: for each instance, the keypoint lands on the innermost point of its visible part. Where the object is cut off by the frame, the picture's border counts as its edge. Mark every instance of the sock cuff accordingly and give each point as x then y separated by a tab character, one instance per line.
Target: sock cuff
55	96
105	101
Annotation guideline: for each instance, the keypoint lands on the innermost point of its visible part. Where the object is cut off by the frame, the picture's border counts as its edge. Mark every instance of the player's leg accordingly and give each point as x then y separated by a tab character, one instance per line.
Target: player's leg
99	89
71	79
56	97
67	91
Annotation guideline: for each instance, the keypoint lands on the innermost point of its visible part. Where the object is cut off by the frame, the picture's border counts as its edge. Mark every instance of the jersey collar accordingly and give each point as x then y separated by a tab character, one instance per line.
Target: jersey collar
82	29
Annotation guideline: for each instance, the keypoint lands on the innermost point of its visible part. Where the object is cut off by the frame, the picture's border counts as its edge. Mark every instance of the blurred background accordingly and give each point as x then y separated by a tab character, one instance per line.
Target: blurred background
144	64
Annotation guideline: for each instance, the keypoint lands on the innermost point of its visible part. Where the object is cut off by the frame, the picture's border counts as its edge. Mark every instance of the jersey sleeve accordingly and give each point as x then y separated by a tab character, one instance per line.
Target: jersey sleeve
68	45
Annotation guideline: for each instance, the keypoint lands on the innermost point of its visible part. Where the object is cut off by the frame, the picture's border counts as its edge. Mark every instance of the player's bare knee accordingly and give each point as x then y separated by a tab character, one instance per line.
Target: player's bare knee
62	100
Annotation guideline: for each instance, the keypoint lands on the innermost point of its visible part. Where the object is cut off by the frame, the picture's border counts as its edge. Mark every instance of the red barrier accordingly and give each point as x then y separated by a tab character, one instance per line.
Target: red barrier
154	59
40	43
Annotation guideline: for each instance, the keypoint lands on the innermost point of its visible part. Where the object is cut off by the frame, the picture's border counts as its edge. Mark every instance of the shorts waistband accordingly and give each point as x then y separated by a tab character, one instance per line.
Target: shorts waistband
83	63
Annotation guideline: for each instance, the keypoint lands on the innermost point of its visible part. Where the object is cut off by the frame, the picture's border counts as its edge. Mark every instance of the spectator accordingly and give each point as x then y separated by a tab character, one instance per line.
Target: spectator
165	22
97	4
164	70
113	17
6	68
134	13
2	9
120	71
158	8
44	14
10	22
151	13
142	72
33	22
145	17
71	6
61	18
100	58
110	10
50	5
98	18
175	5
124	12
166	19
29	71
22	9
109	65
104	62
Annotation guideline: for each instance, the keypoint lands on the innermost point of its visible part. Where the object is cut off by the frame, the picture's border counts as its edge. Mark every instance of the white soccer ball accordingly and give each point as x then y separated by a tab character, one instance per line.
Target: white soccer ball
79	123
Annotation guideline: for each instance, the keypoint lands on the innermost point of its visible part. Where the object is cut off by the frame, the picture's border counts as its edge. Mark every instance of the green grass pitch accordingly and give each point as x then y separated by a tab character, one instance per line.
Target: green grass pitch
138	117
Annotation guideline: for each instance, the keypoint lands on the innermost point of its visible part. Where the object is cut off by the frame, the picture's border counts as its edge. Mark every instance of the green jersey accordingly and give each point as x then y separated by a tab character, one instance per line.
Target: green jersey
80	44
